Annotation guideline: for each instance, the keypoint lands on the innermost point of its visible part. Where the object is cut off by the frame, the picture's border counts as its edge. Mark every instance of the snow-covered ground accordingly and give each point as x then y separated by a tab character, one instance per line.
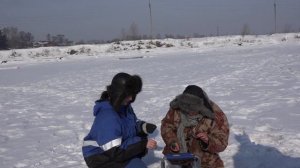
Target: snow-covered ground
47	96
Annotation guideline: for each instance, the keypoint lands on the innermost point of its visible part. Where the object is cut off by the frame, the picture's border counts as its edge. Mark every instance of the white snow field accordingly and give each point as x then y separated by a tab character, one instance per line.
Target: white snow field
46	100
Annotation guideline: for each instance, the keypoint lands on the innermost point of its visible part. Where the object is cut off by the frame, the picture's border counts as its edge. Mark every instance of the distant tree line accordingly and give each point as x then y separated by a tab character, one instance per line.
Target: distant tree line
11	37
133	34
58	40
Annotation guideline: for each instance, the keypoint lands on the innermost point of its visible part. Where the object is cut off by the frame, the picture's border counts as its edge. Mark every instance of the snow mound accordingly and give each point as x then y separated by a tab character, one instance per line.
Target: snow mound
46	54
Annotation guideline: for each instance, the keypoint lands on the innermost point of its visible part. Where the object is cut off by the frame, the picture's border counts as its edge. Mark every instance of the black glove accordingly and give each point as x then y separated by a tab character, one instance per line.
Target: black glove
143	128
148	128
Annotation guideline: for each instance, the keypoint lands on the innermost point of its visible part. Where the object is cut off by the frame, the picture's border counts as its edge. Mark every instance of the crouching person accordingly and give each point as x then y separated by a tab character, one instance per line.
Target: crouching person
195	124
116	139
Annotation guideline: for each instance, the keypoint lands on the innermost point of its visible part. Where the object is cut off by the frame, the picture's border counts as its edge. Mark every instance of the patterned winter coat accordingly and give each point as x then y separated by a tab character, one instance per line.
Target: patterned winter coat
217	130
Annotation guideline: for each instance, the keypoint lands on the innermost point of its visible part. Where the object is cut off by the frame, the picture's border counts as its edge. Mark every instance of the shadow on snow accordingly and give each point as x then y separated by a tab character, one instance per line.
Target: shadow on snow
251	155
150	158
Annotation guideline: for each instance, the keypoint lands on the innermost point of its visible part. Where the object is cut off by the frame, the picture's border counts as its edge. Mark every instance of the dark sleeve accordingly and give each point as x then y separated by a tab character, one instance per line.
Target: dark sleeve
134	150
168	128
219	135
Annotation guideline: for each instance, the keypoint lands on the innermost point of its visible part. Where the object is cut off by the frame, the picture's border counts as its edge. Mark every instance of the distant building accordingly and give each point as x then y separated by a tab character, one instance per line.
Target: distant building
41	44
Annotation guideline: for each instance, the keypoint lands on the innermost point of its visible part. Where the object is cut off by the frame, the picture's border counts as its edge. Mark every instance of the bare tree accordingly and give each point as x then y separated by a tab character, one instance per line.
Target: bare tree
61	40
287	28
158	36
123	34
11	34
145	36
245	30
3	41
48	37
16	39
25	39
133	31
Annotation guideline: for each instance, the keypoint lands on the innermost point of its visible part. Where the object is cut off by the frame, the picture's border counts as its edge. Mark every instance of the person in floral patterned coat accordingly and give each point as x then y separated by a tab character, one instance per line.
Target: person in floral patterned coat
197	125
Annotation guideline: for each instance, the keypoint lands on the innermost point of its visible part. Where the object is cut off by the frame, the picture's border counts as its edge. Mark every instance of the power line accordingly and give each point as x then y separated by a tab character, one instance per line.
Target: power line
150	20
275	18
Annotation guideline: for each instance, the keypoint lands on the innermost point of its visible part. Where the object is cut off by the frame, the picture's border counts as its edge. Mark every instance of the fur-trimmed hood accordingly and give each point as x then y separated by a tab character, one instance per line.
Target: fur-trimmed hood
190	103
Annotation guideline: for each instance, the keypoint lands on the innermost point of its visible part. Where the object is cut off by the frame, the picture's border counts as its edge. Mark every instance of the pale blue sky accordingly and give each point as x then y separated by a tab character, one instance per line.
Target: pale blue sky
104	19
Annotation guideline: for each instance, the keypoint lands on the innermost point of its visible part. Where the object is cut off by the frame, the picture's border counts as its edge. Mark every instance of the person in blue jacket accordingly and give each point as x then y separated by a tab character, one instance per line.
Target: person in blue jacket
117	138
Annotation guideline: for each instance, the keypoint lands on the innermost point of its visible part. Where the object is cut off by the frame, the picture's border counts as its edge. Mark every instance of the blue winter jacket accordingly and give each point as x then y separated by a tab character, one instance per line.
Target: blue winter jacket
113	135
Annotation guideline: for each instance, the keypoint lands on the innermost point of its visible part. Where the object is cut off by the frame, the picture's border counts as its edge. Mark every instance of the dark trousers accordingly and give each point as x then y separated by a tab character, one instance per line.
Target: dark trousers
98	161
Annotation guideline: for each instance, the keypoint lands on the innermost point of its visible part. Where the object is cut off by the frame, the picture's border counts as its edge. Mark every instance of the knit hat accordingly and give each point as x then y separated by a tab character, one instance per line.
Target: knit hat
123	85
193	99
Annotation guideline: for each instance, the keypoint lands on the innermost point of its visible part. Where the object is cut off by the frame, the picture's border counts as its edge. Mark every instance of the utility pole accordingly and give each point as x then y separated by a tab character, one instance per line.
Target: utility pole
275	18
150	20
